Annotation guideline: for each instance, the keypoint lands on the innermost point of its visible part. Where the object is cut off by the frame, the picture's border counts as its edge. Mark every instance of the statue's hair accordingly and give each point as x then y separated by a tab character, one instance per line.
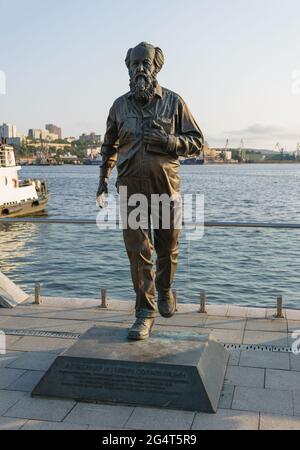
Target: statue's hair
159	58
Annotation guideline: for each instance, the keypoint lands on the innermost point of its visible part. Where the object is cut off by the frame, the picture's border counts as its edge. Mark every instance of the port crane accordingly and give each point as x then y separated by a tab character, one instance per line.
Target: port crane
242	152
225	149
279	149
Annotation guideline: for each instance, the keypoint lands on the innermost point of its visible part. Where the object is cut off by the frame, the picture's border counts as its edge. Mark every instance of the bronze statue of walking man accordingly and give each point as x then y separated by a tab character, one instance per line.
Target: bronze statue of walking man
148	129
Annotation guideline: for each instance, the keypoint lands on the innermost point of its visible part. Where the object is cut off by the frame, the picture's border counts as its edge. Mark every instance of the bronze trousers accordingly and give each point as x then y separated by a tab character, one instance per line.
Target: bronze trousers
140	247
150	174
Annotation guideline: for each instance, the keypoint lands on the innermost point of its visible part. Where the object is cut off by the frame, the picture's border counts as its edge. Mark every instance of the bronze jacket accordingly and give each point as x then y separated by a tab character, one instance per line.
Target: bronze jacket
123	142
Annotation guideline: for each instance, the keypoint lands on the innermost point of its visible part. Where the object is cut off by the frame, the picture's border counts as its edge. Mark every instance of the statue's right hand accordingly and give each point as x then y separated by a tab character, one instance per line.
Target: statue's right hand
103	187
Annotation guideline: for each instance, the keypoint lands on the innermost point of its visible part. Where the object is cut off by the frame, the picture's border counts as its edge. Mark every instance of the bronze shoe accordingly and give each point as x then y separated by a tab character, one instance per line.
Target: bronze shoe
141	329
166	303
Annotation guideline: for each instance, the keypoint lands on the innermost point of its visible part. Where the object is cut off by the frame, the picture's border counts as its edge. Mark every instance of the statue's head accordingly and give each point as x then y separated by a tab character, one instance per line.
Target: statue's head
144	62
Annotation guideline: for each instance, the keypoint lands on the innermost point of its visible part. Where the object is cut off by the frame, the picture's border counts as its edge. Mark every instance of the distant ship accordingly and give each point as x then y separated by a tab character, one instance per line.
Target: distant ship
19	198
192	161
93	161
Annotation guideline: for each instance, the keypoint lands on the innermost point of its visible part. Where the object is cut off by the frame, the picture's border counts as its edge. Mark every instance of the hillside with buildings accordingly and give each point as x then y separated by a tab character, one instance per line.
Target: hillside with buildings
49	146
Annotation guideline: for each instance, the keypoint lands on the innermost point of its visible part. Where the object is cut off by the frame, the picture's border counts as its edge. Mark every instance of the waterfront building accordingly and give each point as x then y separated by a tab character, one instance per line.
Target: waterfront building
52	137
91	138
53	129
37	134
8	131
15	141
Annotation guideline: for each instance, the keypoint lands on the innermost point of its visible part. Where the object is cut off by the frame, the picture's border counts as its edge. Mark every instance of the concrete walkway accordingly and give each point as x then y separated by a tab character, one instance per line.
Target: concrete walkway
262	387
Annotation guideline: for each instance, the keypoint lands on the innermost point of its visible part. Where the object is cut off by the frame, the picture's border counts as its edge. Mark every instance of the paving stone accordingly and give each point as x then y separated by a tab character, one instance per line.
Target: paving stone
42	425
245	376
160	419
99	415
234	357
9	358
27	311
188	307
263	400
265	360
84	326
201	331
68	326
11	341
8	399
181	320
275	422
279	325
237	311
34	323
295	362
121	305
217	310
115	317
63	302
272	312
2	321
33	361
292	314
53	345
231	323
11	423
265	338
120	325
113	305
27	381
8	376
225	336
282	379
293	325
80	314
226	397
296	397
258	313
226	419
40	409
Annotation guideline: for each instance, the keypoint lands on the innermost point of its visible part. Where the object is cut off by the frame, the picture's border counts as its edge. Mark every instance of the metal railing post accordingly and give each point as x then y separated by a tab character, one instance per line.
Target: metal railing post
103	299
37	294
279	314
203	303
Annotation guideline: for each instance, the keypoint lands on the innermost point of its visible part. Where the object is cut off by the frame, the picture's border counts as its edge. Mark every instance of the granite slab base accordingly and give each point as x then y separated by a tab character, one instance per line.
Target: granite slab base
10	294
173	370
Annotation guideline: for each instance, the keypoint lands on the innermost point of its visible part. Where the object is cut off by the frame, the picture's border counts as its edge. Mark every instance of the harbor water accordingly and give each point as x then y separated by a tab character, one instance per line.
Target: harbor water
243	266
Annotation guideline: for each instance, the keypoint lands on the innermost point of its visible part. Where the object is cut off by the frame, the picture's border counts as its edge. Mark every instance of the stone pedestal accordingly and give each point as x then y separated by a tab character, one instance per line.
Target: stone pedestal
170	370
10	294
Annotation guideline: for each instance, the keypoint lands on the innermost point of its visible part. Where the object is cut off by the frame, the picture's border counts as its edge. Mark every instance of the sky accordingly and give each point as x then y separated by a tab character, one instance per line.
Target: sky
235	62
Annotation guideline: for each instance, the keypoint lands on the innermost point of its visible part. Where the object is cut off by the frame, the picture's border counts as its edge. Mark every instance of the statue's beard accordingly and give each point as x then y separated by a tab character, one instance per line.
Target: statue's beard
143	87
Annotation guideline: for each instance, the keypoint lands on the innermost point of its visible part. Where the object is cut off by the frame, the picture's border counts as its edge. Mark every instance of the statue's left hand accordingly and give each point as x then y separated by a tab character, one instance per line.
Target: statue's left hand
156	136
